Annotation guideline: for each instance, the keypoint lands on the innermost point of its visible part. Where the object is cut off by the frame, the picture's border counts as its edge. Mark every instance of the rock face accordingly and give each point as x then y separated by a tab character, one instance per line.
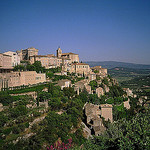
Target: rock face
94	114
1	107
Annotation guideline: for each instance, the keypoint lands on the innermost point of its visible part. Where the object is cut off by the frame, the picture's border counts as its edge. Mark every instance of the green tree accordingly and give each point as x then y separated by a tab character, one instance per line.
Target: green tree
19	68
124	134
69	92
44	96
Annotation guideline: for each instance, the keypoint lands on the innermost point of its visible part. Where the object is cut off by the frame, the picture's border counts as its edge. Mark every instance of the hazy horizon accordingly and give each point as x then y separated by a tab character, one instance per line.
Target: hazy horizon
97	30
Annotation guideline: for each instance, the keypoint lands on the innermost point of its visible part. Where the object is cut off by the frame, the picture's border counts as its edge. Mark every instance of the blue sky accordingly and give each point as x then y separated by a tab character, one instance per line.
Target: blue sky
98	30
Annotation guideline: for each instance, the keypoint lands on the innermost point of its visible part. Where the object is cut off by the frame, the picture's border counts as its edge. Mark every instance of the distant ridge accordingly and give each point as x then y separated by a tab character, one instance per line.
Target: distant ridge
114	64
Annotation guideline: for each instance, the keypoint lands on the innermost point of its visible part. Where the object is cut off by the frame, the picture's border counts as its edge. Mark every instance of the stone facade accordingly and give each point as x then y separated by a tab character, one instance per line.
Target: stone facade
21	78
91	76
5	63
80	85
102	72
99	91
127	104
94	114
106	88
47	61
80	68
128	91
106	112
26	53
64	83
15	58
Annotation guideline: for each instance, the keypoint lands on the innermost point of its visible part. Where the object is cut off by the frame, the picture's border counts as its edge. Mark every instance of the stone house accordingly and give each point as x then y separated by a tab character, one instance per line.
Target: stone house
64	83
5	63
94	114
99	91
80	68
127	104
27	53
91	76
106	112
72	56
80	85
128	91
106	88
15	59
99	71
47	61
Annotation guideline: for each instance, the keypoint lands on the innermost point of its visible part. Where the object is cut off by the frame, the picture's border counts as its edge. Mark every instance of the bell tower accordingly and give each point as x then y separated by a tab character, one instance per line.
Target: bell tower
59	52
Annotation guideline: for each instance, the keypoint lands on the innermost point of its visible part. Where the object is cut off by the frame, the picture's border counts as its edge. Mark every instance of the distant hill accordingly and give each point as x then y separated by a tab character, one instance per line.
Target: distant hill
114	64
138	82
124	74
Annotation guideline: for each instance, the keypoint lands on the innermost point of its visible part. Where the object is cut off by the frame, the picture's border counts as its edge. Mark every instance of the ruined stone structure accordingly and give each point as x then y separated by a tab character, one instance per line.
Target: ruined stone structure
94	114
128	91
127	104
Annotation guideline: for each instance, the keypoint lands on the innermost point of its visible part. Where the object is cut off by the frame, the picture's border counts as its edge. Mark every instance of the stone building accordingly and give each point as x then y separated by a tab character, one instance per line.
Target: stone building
80	68
102	72
106	88
47	61
128	91
15	59
5	63
127	104
94	114
72	56
106	112
80	85
91	76
14	79
99	91
64	83
26	53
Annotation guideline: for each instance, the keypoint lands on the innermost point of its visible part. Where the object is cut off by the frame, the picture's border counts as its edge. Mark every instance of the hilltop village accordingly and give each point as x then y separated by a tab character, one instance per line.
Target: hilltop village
54	98
68	62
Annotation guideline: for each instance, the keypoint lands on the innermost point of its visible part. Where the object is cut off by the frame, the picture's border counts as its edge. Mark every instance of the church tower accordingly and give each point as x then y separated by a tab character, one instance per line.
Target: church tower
59	52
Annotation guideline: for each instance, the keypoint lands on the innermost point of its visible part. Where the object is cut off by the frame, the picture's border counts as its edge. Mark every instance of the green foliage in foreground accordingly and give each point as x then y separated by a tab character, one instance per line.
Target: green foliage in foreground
124	134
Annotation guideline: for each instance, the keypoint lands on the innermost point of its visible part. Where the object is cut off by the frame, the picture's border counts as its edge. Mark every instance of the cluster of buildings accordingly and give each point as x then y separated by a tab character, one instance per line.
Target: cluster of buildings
69	62
94	115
